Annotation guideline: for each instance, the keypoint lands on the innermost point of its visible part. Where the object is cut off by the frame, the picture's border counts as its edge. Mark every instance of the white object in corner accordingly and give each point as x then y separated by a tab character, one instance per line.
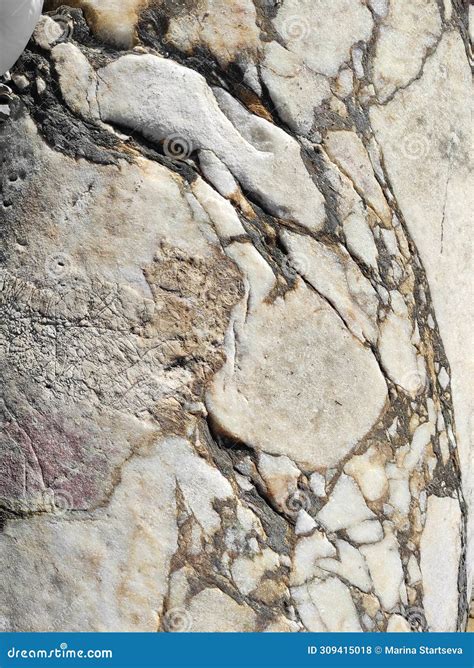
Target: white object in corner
18	19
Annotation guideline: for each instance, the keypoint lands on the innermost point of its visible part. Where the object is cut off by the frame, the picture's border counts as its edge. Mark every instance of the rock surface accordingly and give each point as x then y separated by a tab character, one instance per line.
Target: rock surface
234	326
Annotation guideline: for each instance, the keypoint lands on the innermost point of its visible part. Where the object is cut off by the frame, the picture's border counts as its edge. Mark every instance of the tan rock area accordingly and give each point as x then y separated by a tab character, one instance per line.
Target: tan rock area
235	318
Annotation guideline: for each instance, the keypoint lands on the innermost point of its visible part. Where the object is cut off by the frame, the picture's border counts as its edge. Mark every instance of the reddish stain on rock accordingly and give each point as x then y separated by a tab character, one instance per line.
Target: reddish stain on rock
48	456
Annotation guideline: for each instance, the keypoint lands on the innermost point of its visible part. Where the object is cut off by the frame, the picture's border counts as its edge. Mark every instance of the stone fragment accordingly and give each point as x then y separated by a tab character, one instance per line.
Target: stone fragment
359	239
308	550
307	610
316	398
443	378
400	497
76	79
440	547
335	276
47	32
212	610
346	507
414	570
385	569
228	30
217	173
281	477
222	215
351	566
390	241
304	523
194	475
323	34
318	484
172	104
248	572
398	354
369	473
335	606
406	35
348	152
420	440
368	531
296	90
398	624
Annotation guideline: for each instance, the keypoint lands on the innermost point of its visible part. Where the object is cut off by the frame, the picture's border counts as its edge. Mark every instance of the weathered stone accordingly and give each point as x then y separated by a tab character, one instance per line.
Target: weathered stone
298	345
234	325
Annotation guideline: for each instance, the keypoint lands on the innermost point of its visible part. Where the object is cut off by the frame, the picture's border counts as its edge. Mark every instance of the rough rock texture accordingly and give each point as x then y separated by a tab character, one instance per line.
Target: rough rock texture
234	323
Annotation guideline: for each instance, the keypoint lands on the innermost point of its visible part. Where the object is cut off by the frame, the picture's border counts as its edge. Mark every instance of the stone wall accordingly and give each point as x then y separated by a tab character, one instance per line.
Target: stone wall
235	321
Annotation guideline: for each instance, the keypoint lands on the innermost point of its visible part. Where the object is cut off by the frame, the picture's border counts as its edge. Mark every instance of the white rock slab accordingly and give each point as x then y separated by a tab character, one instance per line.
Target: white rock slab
323	32
169	103
385	569
297	344
440	548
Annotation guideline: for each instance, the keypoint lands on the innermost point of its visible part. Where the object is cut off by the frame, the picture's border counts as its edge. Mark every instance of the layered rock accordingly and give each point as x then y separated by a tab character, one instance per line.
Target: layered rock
235	389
